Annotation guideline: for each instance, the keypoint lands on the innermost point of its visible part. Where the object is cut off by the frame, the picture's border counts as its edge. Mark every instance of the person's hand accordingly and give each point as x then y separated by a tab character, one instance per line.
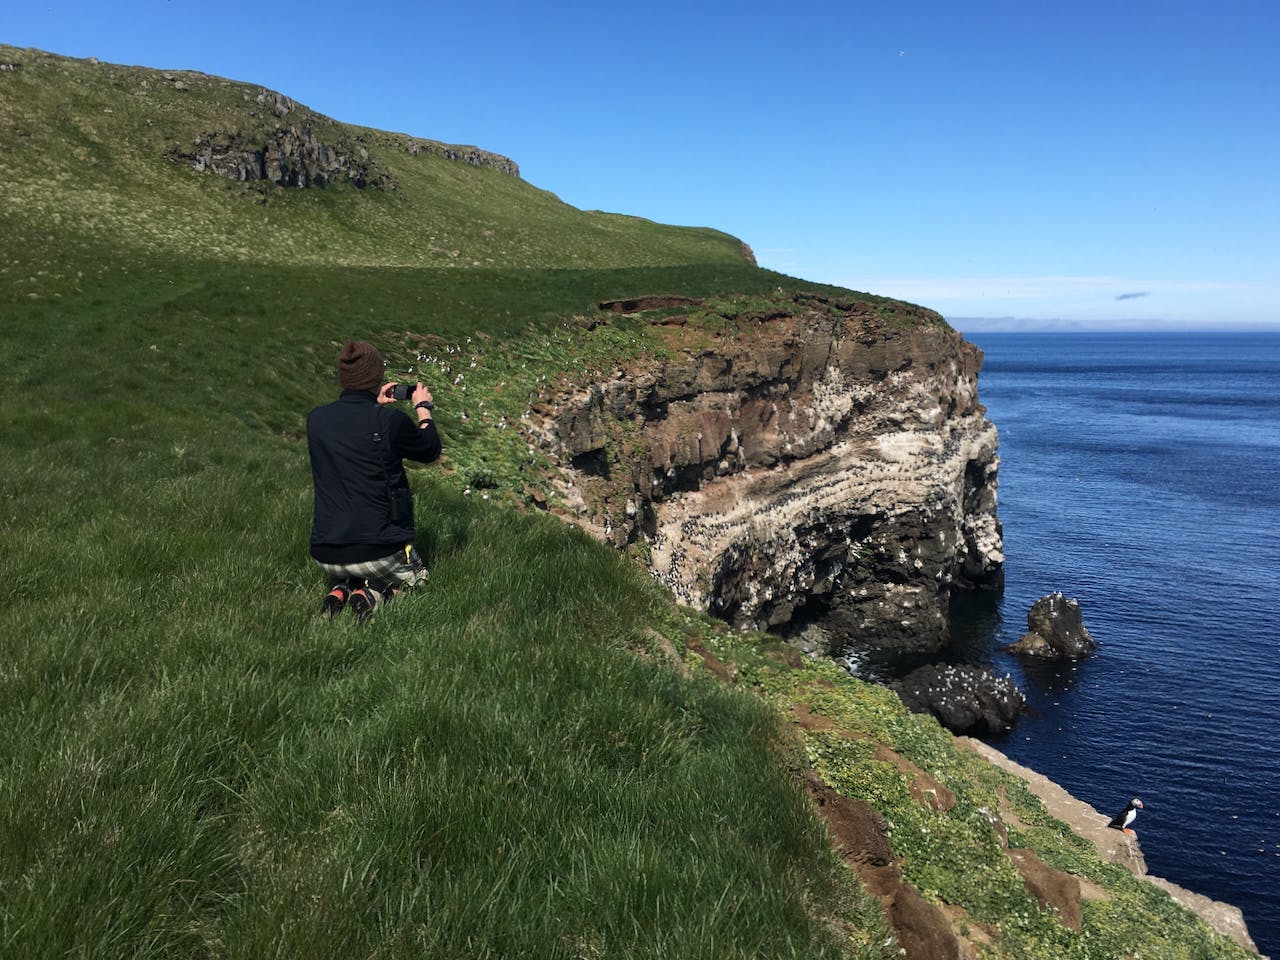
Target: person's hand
420	393
386	393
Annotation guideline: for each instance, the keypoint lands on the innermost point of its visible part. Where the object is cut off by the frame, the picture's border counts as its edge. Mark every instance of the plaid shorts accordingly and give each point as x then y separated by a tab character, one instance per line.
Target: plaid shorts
400	570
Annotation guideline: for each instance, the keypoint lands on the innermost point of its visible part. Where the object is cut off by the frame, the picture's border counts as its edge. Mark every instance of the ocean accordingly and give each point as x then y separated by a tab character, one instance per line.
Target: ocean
1140	474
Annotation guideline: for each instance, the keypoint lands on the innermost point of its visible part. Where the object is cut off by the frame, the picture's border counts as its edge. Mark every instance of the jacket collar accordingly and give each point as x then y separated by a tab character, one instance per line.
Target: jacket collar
358	396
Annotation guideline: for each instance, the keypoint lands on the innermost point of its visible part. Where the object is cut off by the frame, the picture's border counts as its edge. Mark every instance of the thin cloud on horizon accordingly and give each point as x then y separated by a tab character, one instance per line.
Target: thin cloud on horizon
1017	288
1013	324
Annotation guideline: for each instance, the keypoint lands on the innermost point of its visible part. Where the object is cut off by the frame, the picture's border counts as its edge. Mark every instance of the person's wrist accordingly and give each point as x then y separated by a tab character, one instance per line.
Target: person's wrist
424	405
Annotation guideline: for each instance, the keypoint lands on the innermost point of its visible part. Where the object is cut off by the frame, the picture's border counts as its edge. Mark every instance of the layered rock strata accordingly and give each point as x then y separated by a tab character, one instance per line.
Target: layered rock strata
812	462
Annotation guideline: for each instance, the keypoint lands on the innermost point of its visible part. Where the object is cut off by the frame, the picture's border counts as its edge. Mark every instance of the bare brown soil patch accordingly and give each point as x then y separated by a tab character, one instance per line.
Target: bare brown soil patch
711	662
640	304
815	721
1058	891
924	788
861	837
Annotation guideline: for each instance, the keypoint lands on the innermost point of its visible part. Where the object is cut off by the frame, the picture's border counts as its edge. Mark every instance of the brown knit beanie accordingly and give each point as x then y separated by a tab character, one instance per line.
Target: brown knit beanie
360	366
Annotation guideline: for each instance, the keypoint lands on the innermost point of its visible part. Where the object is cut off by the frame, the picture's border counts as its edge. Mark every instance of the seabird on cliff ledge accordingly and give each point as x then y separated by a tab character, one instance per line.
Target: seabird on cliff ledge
1125	817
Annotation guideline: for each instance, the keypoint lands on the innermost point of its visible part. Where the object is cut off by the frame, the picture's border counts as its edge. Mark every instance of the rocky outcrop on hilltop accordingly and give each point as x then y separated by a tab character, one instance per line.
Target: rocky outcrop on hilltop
279	141
289	156
792	460
471	155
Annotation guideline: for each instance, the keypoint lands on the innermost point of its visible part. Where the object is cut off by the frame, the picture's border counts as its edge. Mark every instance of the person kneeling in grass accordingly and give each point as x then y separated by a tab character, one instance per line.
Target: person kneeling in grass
362	531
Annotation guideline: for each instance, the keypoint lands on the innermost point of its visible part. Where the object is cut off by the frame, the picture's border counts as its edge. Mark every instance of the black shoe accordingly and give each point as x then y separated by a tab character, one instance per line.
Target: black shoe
364	601
334	601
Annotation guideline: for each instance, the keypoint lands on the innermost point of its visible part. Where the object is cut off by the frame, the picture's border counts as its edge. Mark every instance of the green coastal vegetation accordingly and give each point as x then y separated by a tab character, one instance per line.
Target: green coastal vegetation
538	754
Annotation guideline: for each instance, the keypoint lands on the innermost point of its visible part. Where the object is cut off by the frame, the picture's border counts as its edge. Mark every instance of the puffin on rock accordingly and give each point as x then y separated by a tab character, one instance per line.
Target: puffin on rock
1125	817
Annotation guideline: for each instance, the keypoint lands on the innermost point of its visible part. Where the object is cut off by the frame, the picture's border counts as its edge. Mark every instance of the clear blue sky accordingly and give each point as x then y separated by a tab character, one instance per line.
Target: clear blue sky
1095	163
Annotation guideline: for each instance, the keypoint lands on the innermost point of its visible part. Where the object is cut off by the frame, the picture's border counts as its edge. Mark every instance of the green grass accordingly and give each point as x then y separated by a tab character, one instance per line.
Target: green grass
194	766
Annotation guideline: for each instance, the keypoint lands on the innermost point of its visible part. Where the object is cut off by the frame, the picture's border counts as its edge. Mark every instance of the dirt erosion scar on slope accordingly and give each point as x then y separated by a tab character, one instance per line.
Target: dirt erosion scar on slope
811	461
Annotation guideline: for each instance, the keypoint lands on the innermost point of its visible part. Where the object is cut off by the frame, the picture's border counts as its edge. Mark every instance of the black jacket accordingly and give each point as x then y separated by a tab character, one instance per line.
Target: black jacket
363	505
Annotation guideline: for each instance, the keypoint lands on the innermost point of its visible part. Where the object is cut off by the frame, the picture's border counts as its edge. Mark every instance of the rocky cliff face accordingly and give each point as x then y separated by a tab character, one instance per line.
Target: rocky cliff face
800	461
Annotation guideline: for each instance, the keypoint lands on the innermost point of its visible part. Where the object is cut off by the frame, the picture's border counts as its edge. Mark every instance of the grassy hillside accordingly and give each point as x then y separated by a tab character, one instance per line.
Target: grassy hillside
85	151
527	758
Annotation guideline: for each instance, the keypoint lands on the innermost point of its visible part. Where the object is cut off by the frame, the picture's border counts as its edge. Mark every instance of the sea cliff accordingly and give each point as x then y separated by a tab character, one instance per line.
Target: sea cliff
792	461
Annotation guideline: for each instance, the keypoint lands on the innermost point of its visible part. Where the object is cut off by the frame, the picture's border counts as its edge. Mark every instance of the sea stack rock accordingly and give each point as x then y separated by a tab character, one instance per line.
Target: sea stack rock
1055	630
962	697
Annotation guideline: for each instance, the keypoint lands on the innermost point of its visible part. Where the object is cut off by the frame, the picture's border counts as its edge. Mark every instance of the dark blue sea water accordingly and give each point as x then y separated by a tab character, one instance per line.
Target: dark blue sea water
1140	474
